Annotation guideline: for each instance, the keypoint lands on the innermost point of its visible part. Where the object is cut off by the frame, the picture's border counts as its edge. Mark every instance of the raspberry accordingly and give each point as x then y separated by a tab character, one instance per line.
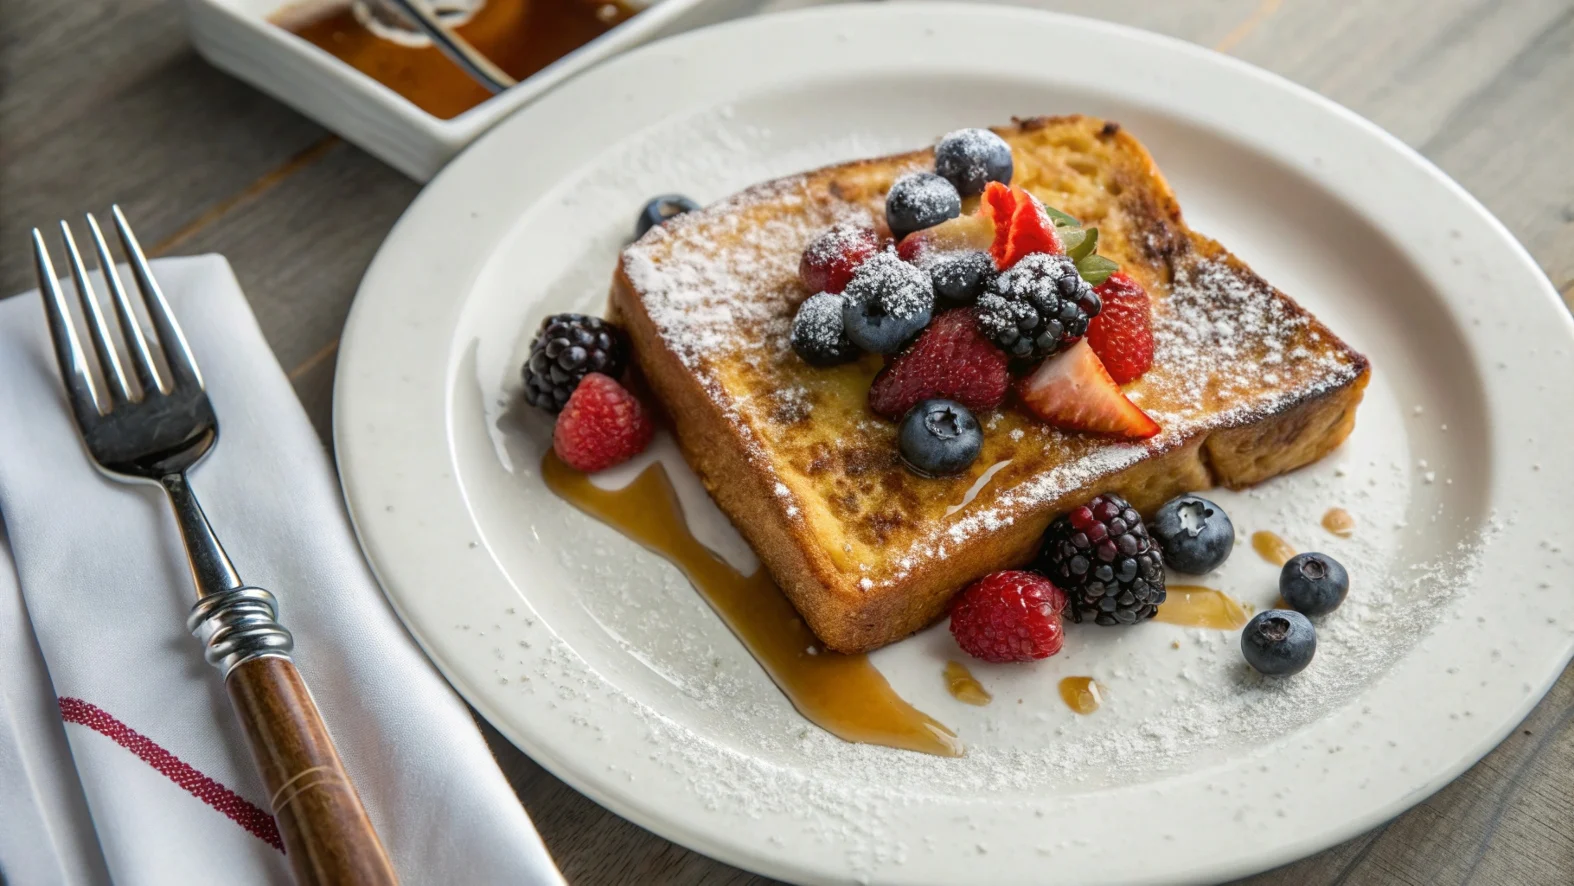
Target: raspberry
830	259
951	360
602	425
1122	333
1009	616
1102	555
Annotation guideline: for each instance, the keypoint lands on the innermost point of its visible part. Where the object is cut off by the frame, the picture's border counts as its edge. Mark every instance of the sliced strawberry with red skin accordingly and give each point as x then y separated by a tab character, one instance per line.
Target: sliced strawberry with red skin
1073	390
1022	226
1032	231
830	259
951	360
1122	333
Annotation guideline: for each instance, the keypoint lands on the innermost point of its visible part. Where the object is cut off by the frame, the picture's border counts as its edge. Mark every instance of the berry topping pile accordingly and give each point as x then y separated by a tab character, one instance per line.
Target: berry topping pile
1102	556
565	350
965	302
1009	616
573	369
1038	307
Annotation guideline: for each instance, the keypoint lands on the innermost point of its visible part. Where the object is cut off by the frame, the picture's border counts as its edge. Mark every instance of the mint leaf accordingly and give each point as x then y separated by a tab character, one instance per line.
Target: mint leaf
1070	240
1087	242
1061	219
1096	268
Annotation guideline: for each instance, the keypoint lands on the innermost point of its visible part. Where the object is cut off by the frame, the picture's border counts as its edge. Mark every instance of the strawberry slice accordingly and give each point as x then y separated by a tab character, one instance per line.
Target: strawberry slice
1122	333
951	360
1073	390
1021	224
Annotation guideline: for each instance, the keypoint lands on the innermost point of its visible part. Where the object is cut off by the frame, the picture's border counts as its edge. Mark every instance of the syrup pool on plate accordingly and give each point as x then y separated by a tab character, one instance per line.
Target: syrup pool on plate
1272	548
844	694
964	686
1339	522
1198	607
1081	694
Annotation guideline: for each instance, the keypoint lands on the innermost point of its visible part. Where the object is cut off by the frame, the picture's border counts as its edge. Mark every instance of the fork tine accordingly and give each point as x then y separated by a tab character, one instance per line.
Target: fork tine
74	371
177	353
130	329
97	328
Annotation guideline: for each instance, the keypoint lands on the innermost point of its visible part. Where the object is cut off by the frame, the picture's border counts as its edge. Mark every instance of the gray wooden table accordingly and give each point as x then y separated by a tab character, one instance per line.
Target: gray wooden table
102	100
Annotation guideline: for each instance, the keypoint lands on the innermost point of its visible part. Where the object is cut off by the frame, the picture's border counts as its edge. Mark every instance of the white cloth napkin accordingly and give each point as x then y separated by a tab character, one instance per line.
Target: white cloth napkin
149	781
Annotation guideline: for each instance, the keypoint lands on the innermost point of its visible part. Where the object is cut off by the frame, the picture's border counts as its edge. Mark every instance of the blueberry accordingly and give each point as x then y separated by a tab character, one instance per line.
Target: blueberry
939	438
1279	642
920	200
959	277
659	209
1313	583
887	302
818	334
1196	535
972	158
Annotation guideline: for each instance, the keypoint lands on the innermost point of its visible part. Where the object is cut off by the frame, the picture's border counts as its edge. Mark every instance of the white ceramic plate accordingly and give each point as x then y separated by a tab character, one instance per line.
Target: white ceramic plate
604	665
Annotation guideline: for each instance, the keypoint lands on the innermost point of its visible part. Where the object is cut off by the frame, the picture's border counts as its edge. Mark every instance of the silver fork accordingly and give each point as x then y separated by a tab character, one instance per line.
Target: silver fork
155	430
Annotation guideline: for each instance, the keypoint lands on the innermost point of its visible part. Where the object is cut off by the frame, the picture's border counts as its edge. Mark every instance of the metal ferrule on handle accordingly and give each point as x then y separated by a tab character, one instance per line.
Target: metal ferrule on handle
237	626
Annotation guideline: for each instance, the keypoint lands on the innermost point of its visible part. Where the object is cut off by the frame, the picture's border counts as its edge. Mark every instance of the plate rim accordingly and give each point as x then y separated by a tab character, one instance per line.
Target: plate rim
358	345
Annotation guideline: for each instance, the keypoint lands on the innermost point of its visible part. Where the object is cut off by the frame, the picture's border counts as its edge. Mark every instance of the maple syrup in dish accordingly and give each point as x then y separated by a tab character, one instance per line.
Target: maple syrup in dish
844	694
1272	548
519	36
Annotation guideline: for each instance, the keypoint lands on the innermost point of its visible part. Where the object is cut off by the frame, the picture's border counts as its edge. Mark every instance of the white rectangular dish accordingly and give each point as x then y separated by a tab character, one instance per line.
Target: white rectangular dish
237	36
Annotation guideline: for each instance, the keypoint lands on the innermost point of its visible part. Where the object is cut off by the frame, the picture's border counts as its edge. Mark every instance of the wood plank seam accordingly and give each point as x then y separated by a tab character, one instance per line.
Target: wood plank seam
1487	94
311	362
1516	780
263	184
1262	13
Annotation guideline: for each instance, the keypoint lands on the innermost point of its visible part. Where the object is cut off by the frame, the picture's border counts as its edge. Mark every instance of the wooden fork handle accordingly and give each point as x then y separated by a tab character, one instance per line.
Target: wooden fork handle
327	836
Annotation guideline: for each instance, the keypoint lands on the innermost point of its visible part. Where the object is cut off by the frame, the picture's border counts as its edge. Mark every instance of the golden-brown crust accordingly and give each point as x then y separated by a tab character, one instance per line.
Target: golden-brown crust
786	495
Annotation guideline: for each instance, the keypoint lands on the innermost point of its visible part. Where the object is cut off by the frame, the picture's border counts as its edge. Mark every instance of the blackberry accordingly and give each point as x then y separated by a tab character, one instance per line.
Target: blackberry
1038	307
566	349
1101	556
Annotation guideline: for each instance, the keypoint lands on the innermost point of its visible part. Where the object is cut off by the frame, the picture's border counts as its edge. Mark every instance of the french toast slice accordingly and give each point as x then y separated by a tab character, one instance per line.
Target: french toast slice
1245	384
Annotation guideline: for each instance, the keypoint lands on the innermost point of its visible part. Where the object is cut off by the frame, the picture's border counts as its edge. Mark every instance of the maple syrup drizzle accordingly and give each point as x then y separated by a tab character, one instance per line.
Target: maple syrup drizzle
1198	607
1081	694
1339	522
1272	548
964	686
844	694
